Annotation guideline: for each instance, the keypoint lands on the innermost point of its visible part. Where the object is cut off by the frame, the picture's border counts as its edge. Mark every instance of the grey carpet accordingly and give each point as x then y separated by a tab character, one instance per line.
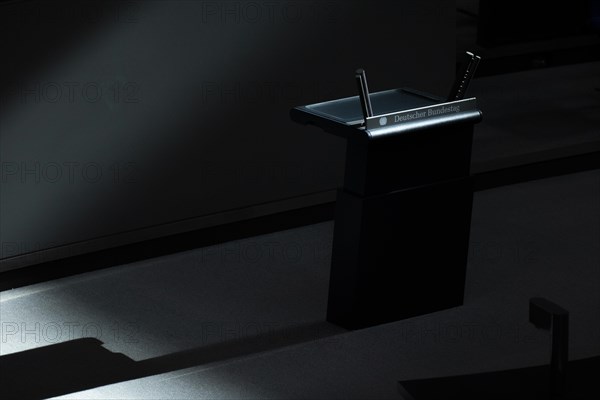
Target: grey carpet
540	238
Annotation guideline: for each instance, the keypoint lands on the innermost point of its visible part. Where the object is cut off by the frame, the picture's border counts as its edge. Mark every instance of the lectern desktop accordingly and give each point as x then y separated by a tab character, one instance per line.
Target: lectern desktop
402	218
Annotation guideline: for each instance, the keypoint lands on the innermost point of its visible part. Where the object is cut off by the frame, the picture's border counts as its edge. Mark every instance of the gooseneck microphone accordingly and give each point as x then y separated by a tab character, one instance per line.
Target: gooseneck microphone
464	76
363	93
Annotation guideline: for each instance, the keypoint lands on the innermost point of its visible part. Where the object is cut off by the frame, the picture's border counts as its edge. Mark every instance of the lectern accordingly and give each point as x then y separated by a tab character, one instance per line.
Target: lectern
402	218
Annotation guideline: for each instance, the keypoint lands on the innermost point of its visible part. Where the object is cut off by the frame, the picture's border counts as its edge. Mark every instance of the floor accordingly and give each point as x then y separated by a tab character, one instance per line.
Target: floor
246	319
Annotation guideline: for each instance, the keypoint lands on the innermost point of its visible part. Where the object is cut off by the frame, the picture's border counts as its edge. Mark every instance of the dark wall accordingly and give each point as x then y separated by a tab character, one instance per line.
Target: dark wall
515	21
119	116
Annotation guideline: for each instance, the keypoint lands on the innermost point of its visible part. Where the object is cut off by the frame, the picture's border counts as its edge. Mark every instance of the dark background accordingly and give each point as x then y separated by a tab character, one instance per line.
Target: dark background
122	121
190	145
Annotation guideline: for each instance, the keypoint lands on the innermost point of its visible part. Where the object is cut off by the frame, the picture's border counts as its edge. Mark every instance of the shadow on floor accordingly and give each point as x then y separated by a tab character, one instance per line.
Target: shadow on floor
61	368
83	364
523	383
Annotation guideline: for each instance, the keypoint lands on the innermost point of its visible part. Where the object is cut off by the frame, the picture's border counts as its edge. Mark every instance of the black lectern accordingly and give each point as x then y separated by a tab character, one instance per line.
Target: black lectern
403	216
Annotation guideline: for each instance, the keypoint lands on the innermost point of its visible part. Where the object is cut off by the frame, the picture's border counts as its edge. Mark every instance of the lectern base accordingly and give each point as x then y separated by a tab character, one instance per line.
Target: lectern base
400	254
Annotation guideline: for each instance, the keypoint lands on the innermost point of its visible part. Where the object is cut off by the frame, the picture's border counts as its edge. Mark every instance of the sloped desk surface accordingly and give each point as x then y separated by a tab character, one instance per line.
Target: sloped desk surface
395	111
